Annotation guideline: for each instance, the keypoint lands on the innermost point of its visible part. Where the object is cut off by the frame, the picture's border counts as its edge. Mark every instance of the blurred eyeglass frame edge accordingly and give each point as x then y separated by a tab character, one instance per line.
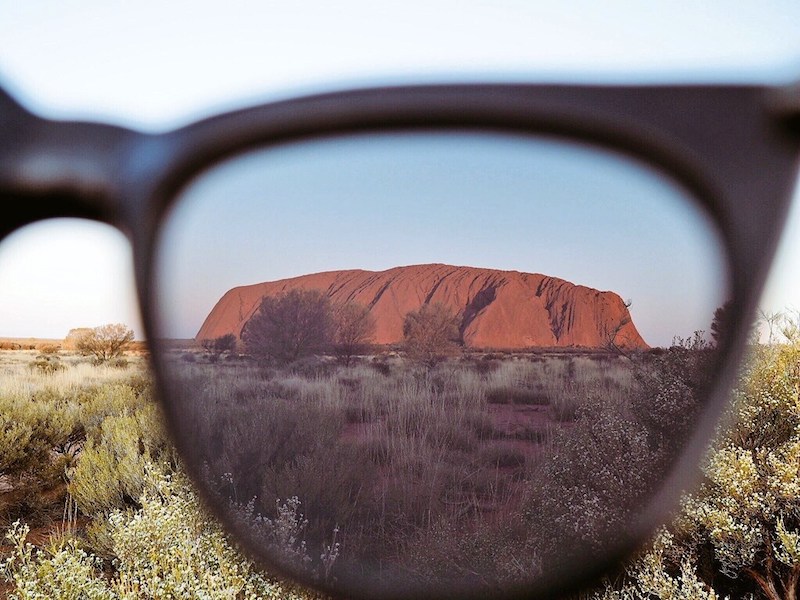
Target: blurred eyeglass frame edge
726	144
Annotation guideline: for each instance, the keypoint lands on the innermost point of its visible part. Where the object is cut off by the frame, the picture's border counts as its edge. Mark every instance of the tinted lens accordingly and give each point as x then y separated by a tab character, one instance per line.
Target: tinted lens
435	360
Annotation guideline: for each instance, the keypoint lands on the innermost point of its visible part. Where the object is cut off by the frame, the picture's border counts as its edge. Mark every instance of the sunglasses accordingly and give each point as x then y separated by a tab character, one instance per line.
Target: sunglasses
440	341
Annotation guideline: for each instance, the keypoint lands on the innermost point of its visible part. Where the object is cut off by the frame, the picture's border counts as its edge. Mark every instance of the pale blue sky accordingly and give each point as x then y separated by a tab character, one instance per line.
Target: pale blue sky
155	65
375	202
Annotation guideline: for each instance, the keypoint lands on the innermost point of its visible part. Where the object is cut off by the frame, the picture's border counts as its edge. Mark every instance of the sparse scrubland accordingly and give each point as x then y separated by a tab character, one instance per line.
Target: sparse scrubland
479	469
484	469
93	501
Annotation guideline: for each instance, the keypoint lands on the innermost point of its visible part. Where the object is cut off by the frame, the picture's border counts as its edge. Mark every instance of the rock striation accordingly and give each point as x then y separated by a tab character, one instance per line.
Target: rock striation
498	309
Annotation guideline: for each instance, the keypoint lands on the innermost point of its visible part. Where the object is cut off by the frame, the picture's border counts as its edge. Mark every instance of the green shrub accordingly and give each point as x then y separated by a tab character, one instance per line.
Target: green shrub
110	472
31	428
168	548
109	400
47	364
64	571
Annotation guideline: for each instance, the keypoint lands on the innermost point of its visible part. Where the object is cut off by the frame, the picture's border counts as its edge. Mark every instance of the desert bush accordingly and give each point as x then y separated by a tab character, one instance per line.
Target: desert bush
74	336
167	548
49	348
47	364
288	327
381	366
110	400
104	342
486	365
219	345
310	367
110	472
353	330
584	490
36	438
737	535
431	333
669	389
63	571
120	362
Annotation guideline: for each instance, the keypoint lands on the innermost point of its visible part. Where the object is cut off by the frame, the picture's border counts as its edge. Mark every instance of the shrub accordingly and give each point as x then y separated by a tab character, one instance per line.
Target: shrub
110	473
120	362
738	535
168	548
30	431
64	571
104	342
381	366
47	364
288	327
431	333
354	329
220	345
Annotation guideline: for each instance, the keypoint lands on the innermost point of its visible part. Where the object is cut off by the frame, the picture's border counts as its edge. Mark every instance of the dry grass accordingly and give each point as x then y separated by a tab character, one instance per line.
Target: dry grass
462	472
18	379
387	450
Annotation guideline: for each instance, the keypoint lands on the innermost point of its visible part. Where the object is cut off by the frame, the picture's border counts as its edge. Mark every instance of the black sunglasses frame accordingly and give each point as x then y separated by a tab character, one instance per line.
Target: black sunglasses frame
734	148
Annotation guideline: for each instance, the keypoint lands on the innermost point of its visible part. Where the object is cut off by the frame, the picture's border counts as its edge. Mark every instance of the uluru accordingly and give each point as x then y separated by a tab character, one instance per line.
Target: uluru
498	309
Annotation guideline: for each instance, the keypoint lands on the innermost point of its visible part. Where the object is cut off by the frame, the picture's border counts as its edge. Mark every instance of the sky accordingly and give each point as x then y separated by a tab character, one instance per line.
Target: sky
471	199
154	66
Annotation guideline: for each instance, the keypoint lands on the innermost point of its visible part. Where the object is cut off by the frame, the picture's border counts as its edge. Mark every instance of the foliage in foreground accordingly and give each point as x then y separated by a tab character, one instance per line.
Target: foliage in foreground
738	535
168	548
131	527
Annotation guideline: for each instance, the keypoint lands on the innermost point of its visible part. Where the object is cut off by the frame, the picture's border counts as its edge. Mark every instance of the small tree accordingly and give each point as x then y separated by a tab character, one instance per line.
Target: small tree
285	328
105	342
354	330
431	333
74	336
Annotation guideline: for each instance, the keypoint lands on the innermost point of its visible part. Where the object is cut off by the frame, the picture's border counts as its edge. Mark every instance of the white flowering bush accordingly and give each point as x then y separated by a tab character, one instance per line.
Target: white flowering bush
171	549
64	571
168	548
738	535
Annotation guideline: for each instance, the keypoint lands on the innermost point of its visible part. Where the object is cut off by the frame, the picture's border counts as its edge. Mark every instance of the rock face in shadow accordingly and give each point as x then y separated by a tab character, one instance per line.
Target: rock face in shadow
498	309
